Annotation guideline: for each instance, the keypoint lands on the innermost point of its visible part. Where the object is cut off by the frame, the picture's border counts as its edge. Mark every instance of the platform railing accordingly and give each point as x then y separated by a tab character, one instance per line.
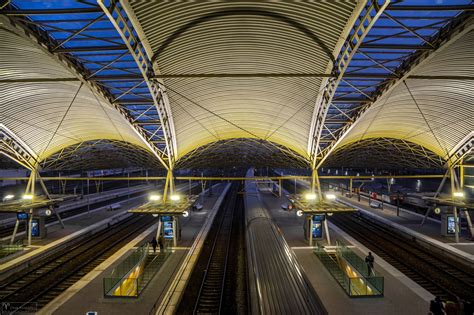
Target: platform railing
133	274
350	271
7	249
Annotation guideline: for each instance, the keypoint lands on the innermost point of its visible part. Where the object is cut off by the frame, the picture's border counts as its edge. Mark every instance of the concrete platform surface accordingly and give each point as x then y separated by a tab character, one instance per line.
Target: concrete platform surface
409	222
88	295
402	295
57	236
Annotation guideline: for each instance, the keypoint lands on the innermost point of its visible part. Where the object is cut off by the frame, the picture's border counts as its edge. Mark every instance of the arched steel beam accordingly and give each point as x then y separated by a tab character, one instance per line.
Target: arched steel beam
370	12
42	38
118	17
448	34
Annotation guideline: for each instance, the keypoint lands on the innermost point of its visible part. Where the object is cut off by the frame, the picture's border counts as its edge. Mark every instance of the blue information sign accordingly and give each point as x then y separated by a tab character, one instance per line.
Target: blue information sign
168	229
317	229
22	215
319	217
451	225
35	229
166	218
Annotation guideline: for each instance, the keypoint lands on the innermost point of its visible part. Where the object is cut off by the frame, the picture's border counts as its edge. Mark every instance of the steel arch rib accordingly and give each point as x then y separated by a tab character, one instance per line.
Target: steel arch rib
123	26
448	34
362	25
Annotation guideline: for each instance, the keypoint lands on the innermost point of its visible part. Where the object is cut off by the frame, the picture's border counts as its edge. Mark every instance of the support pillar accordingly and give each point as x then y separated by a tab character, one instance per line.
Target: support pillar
30	226
316	184
175	231
15	230
88	199
158	228
455	210
165	192
279	187
49	197
30	190
438	191
350	187
326	230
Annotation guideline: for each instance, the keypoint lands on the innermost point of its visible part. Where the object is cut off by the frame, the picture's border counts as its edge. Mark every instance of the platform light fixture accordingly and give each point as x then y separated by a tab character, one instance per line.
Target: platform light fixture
458	194
155	215
330	196
175	197
299	213
27	197
154	197
329	213
437	210
310	196
8	197
185	214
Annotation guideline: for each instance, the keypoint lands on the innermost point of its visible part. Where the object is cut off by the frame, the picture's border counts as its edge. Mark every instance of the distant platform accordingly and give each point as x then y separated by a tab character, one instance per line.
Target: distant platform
318	207
168	208
38	202
448	202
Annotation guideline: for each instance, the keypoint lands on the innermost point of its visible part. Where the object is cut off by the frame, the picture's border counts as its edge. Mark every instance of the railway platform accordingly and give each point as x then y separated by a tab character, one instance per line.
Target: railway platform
9	218
75	227
88	293
401	296
409	223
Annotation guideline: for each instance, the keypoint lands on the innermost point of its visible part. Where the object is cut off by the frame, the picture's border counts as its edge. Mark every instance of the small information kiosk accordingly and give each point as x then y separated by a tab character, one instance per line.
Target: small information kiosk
30	211
316	213
168	214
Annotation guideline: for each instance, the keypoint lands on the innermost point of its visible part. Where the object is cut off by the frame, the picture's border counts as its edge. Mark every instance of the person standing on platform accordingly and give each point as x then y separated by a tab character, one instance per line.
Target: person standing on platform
369	260
154	243
161	242
436	306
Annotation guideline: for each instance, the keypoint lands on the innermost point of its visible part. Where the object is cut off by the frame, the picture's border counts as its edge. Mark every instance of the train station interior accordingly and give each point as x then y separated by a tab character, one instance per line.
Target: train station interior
237	157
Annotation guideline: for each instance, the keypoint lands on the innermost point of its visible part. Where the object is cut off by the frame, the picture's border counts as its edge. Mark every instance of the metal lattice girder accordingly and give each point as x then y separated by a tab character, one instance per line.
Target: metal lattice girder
124	26
464	148
455	28
100	154
14	148
245	152
384	153
370	13
86	67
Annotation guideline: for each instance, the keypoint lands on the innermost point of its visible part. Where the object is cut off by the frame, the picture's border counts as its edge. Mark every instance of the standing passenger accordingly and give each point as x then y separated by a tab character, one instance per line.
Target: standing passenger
436	306
161	242
369	260
154	243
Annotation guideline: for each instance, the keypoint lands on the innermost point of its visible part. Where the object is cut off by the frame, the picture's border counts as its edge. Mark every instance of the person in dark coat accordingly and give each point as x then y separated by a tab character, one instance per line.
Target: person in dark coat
369	260
161	242
154	243
436	306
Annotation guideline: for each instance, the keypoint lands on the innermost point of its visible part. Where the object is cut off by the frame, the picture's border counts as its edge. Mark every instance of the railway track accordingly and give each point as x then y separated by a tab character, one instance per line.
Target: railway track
41	283
439	275
214	286
8	230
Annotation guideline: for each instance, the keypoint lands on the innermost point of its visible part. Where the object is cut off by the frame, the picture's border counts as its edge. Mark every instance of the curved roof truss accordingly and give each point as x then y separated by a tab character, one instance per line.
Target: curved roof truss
384	153
380	69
